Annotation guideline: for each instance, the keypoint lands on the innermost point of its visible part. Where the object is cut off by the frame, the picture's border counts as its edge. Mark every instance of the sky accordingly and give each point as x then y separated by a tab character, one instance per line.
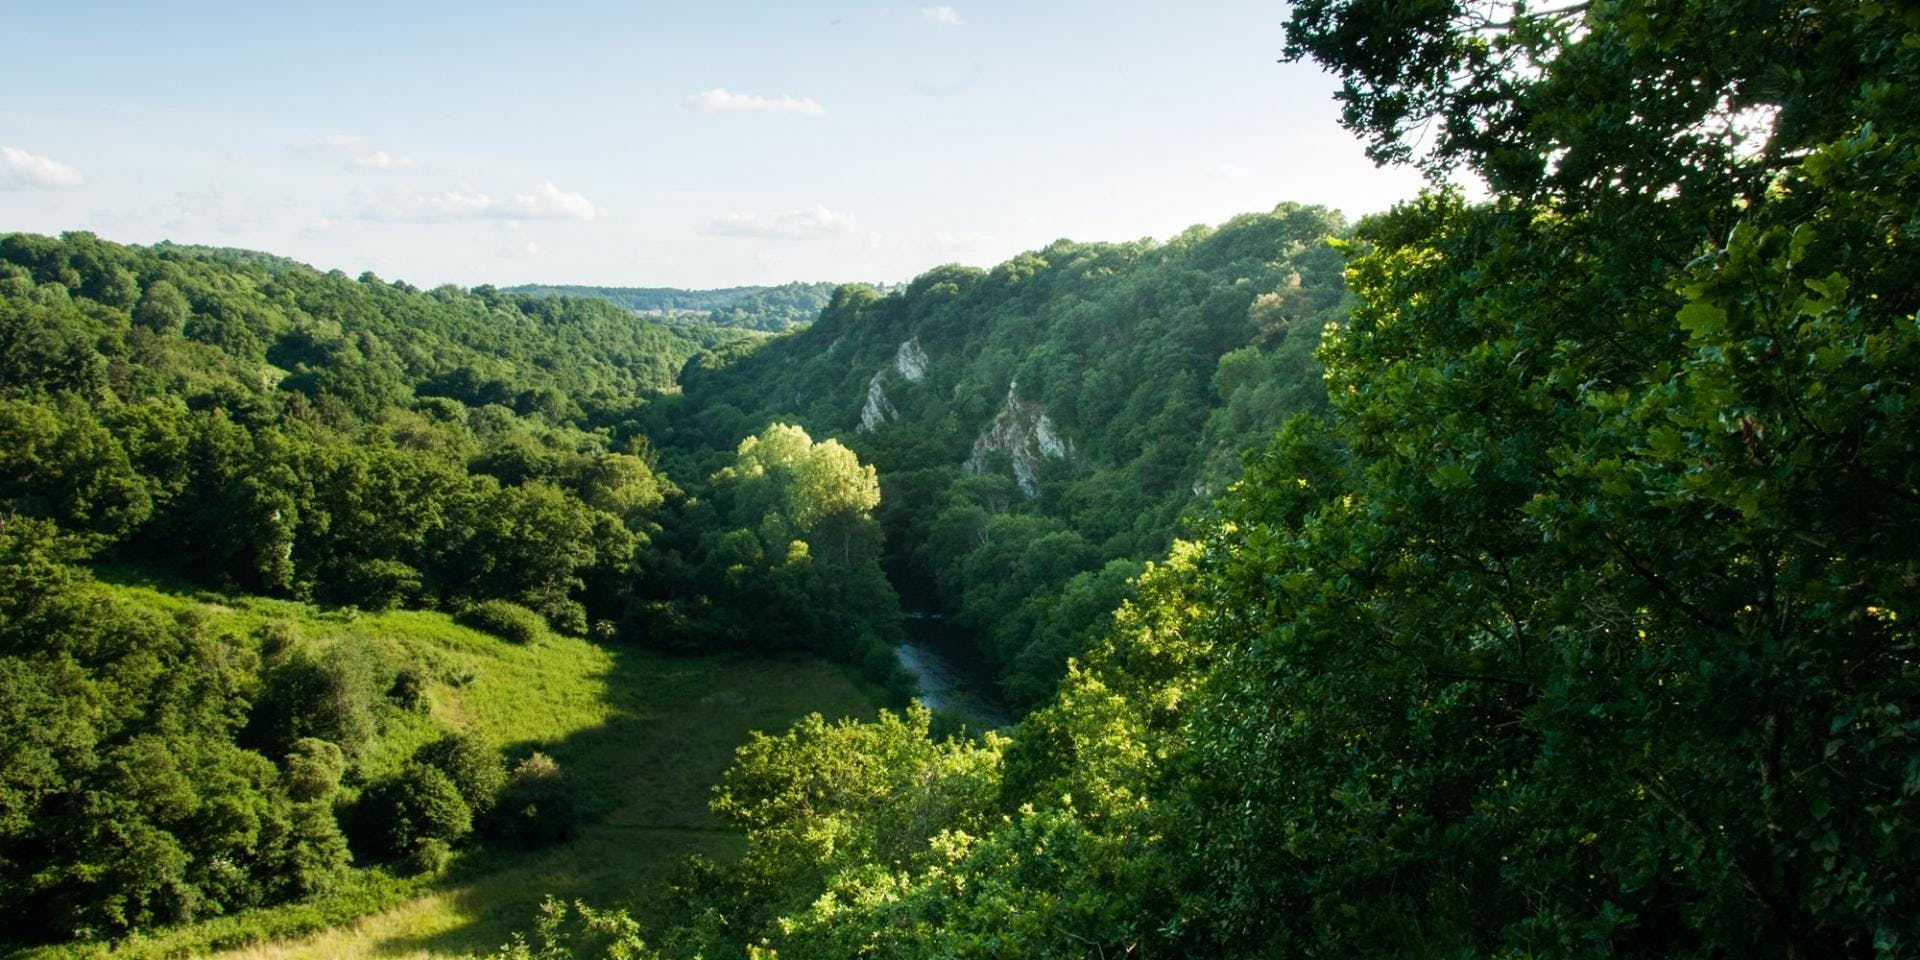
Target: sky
689	144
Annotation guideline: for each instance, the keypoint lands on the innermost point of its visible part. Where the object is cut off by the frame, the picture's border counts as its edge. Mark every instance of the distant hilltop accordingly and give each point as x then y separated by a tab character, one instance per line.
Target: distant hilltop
772	309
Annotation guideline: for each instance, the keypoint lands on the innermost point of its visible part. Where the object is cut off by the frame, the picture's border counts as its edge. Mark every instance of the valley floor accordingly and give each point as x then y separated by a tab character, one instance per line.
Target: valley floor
643	736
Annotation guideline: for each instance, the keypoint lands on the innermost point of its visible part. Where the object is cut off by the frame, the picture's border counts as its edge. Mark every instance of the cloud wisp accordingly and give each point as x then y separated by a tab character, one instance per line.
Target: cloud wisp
20	170
942	16
544	202
721	100
358	152
814	224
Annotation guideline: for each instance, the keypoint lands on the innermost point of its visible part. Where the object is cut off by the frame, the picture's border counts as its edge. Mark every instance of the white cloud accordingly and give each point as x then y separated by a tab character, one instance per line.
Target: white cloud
381	160
719	100
546	202
789	225
358	151
944	16
20	169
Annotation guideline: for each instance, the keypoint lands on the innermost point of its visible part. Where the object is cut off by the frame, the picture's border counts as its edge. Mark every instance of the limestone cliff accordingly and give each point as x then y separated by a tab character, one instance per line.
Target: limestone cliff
910	364
1026	434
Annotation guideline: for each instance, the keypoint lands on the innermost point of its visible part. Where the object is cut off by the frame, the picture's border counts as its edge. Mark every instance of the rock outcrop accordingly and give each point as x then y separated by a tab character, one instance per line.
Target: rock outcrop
910	364
1027	435
911	361
878	409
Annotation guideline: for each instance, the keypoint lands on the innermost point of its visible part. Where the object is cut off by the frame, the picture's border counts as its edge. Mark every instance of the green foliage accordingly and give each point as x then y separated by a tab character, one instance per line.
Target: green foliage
409	689
401	813
508	621
789	557
1153	366
163	308
770	309
313	769
641	738
609	934
536	805
430	856
308	855
830	807
252	424
1580	626
330	695
124	800
471	763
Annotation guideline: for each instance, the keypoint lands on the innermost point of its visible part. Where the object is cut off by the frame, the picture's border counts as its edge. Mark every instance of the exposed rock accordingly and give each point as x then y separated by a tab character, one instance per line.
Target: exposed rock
1025	432
911	361
879	409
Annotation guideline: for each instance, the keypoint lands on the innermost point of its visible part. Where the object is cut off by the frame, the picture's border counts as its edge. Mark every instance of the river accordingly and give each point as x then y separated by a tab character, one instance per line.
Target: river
950	673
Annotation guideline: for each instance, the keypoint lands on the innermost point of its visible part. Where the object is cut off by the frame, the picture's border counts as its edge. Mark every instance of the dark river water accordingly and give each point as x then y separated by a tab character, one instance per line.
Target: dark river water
951	675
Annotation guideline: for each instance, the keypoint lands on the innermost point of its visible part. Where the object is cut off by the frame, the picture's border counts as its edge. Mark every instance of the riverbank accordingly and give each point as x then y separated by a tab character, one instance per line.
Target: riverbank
950	675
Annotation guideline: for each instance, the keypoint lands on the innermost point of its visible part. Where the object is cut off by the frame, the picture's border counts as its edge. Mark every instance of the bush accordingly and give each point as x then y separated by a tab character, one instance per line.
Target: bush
409	689
566	616
330	697
508	621
314	767
306	856
474	767
429	856
536	806
417	804
277	639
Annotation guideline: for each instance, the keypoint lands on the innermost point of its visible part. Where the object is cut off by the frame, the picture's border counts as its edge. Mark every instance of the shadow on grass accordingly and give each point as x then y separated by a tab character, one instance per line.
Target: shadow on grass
642	737
644	779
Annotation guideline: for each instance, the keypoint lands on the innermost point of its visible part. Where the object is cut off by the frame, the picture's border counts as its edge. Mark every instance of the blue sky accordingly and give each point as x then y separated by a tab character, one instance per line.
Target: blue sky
641	144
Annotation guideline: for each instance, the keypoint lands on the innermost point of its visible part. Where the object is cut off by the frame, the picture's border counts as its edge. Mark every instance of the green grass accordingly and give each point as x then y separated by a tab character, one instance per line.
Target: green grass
642	736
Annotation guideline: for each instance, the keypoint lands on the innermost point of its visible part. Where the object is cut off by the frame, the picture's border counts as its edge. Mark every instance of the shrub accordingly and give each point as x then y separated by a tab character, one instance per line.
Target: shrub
474	767
508	621
409	689
330	697
565	616
277	638
536	806
417	804
314	767
306	856
429	856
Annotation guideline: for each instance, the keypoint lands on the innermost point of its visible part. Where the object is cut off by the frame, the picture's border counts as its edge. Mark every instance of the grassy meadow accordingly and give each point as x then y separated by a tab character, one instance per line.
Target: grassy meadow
641	736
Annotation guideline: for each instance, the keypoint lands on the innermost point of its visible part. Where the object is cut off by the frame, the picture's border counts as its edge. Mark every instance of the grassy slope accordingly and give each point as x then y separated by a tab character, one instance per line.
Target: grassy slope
643	737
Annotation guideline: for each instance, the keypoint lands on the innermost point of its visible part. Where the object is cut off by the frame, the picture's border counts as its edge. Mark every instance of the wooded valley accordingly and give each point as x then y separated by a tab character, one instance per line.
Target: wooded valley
1520	575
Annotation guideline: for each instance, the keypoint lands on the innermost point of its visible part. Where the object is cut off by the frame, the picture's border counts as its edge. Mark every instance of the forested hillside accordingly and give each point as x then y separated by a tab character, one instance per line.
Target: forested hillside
769	309
235	422
1039	429
1531	576
1580	625
239	422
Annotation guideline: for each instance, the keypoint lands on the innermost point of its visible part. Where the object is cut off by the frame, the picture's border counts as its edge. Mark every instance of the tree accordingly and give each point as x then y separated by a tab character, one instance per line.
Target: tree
162	308
536	805
328	695
623	485
418	805
807	509
1589	624
471	763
